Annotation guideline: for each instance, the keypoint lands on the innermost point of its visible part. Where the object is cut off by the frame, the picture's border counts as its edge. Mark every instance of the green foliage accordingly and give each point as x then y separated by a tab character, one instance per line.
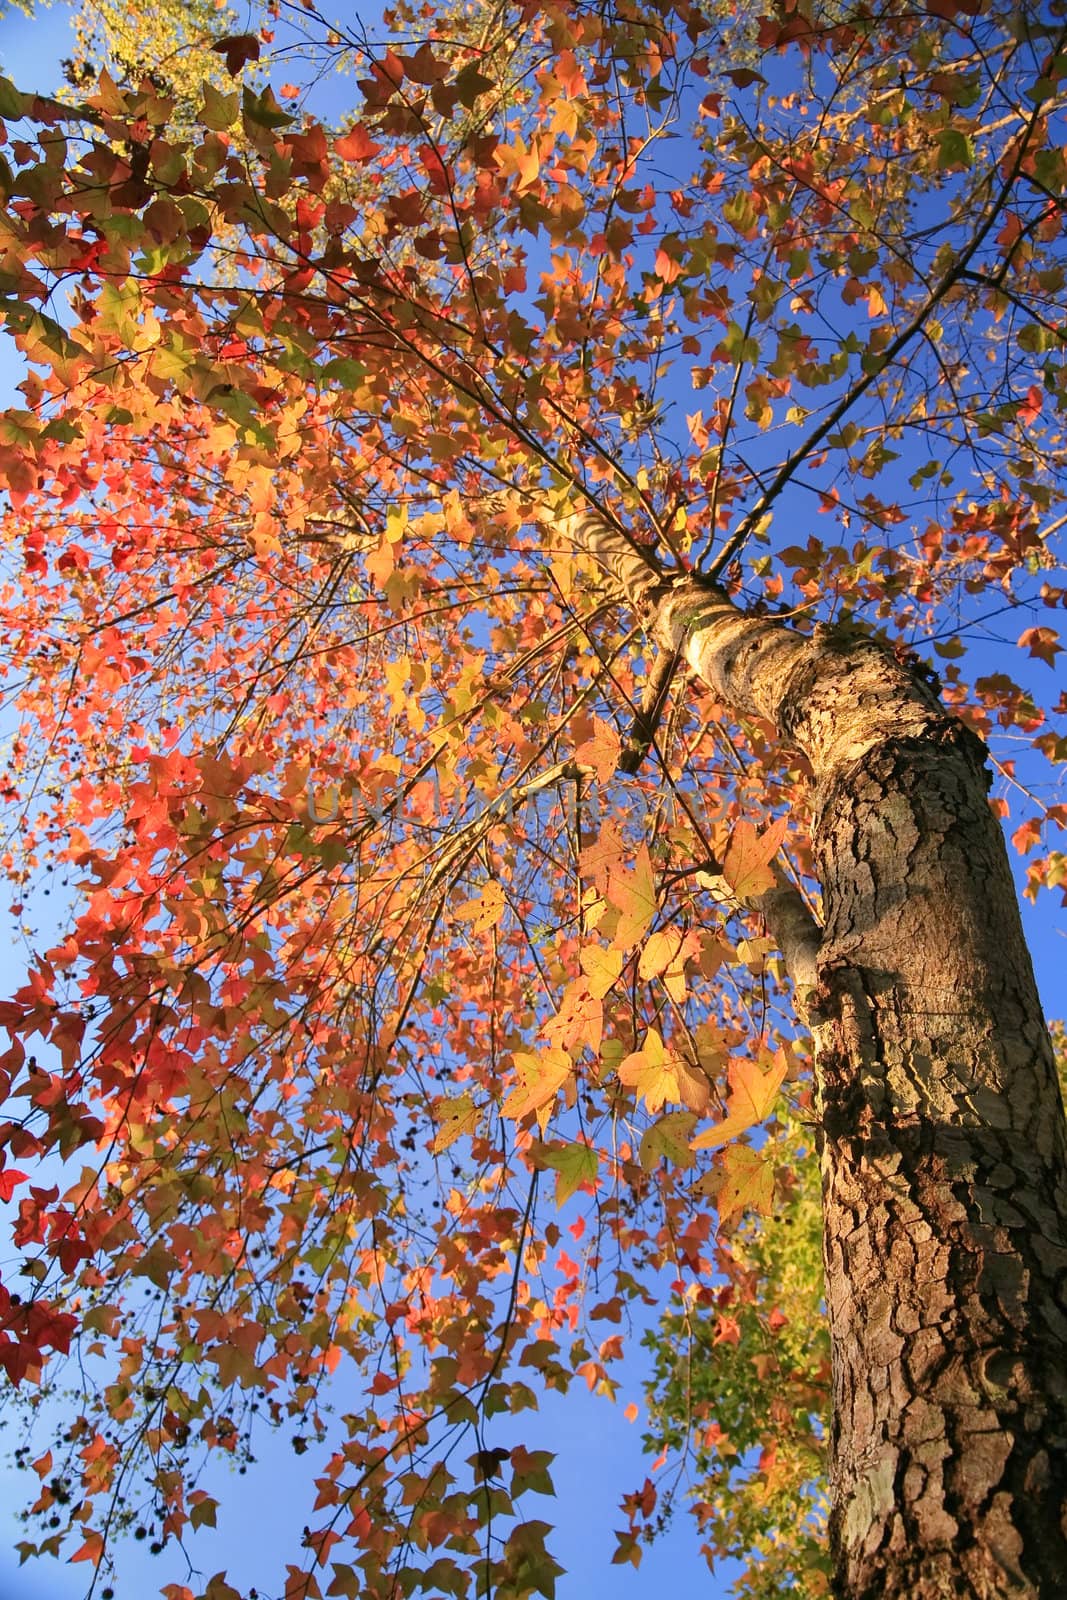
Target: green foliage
741	1391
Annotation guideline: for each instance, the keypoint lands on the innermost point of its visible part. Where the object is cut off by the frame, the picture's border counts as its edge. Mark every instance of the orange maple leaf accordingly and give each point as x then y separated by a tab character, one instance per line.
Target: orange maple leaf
752	1094
746	864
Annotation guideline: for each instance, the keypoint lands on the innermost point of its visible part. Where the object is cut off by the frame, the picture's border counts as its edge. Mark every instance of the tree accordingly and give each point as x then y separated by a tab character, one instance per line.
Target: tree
741	1382
170	45
443	741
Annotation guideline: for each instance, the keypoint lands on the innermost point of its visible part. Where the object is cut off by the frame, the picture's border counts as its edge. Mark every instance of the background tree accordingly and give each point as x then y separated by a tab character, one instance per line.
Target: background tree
354	543
170	43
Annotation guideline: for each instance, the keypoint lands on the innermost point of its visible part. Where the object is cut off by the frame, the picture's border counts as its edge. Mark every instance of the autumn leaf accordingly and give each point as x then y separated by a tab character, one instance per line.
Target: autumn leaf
601	857
746	1182
876	303
579	1019
8	1179
666	267
659	1075
602	968
381	563
203	1510
542	1075
485	910
521	161
472	84
386	432
665	955
91	1549
219	1589
633	893
356	144
746	864
237	48
668	1140
1042	643
575	1163
456	1118
752	1094
742	77
601	751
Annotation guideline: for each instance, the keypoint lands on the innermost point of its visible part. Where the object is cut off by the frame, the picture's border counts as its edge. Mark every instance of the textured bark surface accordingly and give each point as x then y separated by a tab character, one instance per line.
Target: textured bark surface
943	1140
945	1196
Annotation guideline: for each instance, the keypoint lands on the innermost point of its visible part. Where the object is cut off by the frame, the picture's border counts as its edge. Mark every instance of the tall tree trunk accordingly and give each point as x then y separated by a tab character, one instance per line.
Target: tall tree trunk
943	1143
942	1134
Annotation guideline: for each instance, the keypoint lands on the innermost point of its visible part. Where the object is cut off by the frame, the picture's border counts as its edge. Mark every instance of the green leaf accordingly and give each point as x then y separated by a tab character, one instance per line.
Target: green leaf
530	1471
741	212
668	1140
220	110
344	371
11	101
470	83
202	1513
347	1582
263	110
955	149
575	1163
736	347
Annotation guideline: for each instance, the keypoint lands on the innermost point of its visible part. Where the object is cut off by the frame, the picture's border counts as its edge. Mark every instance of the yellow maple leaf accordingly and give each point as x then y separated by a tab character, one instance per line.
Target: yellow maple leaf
542	1076
380	564
485	910
665	955
523	161
602	968
746	864
579	1020
659	1075
455	1117
396	676
633	893
752	1093
747	1182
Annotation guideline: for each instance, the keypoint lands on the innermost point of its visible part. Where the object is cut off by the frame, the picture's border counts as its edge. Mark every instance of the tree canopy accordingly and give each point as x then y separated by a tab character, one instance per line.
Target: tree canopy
433	1007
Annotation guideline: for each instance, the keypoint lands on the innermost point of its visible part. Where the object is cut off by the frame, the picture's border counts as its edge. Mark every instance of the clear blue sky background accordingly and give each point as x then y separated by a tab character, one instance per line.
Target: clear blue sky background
598	1452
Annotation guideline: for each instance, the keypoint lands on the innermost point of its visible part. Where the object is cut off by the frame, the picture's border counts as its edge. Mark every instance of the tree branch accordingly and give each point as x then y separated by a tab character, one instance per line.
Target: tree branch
647	715
795	932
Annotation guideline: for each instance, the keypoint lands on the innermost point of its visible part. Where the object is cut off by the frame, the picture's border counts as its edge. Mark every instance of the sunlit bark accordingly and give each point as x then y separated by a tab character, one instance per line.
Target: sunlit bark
942	1133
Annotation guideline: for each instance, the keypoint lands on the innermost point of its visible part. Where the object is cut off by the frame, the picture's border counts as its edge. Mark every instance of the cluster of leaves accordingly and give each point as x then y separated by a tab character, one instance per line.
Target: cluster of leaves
169	44
321	714
740	1393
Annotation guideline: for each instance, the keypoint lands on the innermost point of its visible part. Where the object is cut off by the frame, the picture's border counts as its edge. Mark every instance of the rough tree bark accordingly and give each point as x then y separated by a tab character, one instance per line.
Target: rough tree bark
942	1134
